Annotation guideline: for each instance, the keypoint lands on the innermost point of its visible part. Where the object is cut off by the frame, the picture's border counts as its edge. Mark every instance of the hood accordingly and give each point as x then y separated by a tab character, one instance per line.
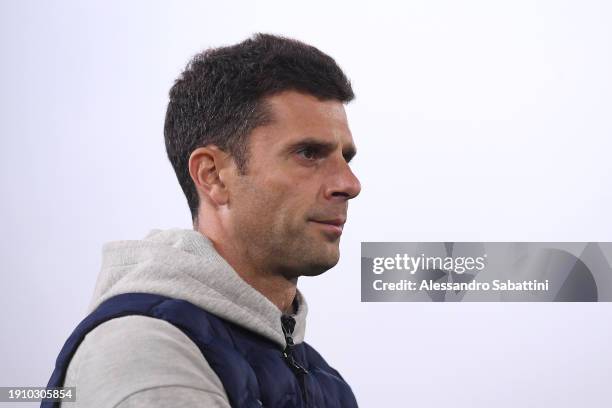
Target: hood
183	264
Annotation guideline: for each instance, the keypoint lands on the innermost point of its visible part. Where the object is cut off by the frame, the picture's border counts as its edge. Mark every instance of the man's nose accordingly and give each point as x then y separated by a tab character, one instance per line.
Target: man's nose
342	183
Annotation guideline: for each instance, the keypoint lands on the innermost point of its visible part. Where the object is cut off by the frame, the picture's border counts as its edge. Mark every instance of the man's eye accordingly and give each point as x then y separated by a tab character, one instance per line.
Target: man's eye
308	153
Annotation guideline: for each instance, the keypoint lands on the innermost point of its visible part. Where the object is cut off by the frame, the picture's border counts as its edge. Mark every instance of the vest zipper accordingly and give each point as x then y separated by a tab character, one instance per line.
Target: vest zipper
288	324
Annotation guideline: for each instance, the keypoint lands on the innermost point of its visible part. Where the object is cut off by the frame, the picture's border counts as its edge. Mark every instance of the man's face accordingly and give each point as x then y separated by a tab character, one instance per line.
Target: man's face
288	211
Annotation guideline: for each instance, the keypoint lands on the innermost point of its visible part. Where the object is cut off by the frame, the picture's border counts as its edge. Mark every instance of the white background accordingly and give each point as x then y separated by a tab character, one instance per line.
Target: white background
474	121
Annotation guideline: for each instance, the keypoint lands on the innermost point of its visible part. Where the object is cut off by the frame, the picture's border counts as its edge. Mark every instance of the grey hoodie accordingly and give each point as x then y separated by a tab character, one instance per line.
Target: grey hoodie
138	361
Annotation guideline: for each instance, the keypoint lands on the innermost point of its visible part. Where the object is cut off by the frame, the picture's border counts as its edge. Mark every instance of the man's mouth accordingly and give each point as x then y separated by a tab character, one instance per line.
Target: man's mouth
333	225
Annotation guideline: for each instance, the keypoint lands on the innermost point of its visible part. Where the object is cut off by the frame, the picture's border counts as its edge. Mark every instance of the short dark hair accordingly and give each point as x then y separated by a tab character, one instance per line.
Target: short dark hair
218	99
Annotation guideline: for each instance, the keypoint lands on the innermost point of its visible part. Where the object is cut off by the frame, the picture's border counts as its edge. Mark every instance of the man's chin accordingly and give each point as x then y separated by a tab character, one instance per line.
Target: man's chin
322	264
316	270
314	256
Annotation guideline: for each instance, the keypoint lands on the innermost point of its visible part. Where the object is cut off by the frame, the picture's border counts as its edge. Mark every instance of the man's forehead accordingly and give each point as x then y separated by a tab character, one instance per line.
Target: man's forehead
294	102
302	115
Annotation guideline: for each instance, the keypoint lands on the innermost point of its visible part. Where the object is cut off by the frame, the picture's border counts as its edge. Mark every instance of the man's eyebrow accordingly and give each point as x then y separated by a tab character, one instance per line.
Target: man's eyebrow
324	146
313	142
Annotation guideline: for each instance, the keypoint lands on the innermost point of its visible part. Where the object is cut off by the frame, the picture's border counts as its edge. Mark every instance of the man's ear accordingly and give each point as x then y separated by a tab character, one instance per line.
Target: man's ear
207	166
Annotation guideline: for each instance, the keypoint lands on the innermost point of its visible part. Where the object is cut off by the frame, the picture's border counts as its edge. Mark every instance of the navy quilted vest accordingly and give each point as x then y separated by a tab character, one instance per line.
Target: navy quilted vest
253	370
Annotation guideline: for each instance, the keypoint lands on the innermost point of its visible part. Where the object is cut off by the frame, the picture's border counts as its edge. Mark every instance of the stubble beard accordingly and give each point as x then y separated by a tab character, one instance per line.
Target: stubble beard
291	252
302	253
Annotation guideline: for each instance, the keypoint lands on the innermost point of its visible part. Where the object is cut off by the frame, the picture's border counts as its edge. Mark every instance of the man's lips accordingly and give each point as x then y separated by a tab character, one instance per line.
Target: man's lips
333	225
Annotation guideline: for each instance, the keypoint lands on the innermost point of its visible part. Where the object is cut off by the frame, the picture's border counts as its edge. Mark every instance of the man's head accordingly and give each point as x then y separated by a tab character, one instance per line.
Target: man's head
259	140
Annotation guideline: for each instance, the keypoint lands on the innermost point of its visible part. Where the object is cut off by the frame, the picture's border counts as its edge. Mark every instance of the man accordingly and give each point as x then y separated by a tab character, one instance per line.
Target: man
211	317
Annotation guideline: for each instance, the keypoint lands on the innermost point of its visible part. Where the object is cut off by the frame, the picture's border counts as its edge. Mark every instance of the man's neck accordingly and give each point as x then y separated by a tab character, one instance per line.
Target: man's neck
275	287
